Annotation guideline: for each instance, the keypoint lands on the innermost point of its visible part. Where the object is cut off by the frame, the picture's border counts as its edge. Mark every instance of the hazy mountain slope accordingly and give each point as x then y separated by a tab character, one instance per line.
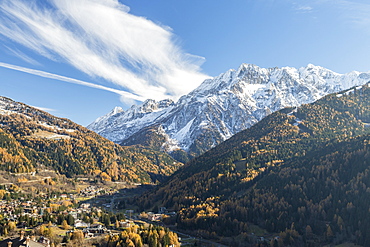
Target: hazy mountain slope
151	136
223	106
282	170
31	139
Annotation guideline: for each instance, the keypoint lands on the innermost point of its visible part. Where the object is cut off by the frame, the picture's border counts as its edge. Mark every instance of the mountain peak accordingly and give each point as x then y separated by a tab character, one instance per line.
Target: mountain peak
311	68
151	105
227	104
310	65
116	110
248	66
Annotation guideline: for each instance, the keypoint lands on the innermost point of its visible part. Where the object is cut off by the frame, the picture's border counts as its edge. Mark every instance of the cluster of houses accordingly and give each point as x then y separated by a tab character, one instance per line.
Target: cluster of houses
96	229
92	230
12	211
159	216
22	240
9	209
91	191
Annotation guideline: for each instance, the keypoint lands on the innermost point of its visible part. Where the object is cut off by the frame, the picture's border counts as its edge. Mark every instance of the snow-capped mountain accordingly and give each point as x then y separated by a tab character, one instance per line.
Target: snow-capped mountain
222	106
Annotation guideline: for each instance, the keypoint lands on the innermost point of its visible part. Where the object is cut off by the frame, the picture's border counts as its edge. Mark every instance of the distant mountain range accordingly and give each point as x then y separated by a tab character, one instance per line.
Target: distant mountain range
32	140
221	107
299	177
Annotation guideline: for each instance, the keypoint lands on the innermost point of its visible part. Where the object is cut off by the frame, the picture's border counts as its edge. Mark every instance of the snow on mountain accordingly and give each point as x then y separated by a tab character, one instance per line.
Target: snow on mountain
42	119
222	106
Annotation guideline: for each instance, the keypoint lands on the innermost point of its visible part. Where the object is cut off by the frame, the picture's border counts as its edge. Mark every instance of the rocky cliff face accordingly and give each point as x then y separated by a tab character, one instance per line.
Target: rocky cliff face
222	106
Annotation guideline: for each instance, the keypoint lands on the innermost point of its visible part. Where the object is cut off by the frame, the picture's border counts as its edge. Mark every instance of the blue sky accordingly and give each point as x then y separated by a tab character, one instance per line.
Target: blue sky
80	58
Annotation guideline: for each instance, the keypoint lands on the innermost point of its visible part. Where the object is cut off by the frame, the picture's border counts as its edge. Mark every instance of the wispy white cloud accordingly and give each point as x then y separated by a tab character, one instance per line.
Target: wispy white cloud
71	80
22	56
304	8
356	12
352	12
102	39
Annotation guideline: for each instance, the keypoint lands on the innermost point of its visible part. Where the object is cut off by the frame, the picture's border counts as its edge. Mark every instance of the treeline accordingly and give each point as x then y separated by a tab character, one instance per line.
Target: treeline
137	236
36	138
284	174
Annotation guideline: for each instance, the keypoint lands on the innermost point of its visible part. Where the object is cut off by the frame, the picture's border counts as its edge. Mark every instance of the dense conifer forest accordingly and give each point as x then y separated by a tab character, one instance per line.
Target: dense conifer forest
302	174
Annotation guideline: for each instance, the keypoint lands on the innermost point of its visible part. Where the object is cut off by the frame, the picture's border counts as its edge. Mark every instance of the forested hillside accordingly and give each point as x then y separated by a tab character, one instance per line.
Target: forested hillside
301	173
31	140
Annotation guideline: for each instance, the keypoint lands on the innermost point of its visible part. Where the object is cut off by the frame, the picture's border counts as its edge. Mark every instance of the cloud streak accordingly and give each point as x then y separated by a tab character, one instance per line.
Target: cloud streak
304	9
22	56
102	39
71	80
355	13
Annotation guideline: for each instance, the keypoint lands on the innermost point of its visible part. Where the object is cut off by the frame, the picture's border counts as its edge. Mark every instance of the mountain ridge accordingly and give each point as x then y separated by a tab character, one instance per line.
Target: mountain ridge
222	106
31	139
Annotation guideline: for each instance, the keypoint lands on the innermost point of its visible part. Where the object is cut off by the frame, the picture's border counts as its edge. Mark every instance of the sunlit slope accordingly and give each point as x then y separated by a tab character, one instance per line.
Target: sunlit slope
31	139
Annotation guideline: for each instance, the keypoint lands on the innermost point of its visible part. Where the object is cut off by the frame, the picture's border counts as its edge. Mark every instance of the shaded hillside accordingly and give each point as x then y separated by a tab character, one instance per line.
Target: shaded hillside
296	168
31	139
149	137
154	137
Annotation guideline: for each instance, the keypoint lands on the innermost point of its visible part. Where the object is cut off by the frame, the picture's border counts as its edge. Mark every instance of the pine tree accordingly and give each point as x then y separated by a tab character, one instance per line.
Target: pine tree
65	225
